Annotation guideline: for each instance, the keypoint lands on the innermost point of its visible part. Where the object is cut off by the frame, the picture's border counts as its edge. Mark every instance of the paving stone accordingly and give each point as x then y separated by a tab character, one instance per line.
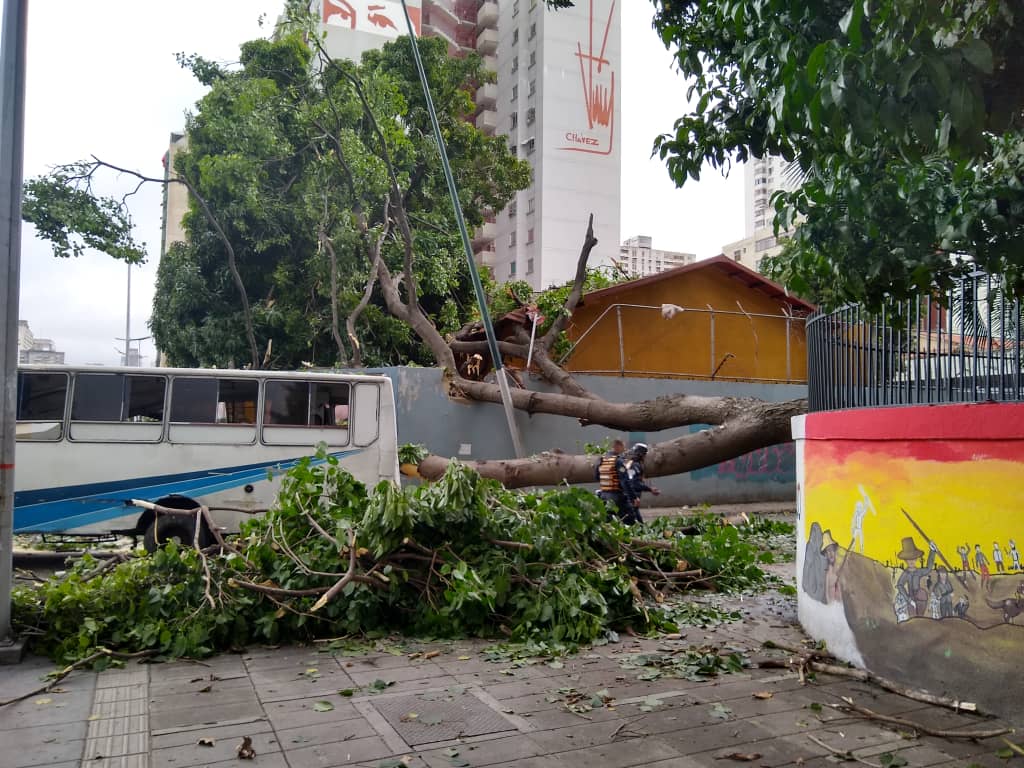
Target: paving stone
231	733
121	709
692	741
204	715
620	754
424	671
286	657
120	693
268	760
297	712
21	754
15	743
773	751
490	752
324	733
195	699
338	753
158	688
136	674
117	744
225	748
422	721
121	761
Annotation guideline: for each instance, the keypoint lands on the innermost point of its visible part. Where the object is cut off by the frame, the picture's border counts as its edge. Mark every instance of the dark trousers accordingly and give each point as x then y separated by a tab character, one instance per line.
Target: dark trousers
626	512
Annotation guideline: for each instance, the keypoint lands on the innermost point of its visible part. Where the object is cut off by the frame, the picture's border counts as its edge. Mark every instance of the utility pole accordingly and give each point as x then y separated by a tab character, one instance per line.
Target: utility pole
12	141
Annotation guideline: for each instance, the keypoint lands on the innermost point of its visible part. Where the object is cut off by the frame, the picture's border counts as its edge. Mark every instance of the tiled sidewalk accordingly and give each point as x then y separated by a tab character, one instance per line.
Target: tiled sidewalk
457	710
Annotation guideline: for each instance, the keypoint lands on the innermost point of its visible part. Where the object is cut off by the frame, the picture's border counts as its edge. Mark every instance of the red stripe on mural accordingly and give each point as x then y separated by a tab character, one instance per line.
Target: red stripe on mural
952	452
6	466
981	421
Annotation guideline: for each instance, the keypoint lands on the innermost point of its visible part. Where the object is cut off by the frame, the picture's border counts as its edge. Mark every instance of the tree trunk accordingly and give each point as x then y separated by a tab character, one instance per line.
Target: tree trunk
759	425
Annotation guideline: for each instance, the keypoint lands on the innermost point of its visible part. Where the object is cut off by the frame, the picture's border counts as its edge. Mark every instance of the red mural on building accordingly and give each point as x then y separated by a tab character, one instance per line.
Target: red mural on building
597	81
385	18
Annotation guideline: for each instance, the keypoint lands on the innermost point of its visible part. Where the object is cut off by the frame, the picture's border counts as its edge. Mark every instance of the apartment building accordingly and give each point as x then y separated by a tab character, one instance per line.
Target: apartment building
638	258
763	176
556	100
35	350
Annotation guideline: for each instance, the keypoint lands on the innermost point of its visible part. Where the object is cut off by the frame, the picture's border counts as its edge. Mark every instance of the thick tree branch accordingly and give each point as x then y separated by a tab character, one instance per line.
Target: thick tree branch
761	425
589	241
328	246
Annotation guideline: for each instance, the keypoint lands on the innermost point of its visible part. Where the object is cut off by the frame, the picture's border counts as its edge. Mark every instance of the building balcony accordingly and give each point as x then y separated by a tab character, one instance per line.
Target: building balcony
487	121
487	16
444	8
490	63
487	95
485	235
487	41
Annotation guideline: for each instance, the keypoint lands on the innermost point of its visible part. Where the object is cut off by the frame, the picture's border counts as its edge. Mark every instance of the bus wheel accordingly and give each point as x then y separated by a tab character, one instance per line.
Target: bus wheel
179	530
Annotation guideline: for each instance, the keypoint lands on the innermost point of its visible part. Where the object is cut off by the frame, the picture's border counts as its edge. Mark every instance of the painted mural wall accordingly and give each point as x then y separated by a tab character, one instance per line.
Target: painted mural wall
910	531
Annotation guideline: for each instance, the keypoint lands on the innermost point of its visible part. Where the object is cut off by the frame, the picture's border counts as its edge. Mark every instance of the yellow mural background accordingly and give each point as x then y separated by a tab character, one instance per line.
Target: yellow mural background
954	502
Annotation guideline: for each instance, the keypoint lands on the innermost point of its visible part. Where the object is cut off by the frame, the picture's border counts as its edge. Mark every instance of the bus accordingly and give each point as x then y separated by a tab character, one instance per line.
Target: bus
92	439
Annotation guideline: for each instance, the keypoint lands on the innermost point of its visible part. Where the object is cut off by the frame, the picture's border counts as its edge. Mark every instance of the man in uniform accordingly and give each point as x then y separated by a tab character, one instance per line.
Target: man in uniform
634	483
610	474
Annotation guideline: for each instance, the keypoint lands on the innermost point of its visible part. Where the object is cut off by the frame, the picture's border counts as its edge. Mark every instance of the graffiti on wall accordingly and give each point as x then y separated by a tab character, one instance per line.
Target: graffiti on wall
774	464
910	555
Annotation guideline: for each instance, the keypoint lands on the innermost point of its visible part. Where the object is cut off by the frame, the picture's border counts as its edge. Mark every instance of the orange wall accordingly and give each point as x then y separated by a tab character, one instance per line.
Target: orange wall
682	346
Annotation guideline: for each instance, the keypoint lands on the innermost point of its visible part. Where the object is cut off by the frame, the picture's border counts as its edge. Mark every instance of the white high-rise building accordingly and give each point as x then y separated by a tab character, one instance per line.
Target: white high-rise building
557	100
763	176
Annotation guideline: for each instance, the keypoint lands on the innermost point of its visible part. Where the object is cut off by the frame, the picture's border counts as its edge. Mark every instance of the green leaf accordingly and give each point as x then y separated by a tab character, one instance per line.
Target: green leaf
323	706
890	760
815	61
721	711
850	23
979	54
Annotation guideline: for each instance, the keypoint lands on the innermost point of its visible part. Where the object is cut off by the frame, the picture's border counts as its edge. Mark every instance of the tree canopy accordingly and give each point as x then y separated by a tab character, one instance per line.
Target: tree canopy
285	154
905	119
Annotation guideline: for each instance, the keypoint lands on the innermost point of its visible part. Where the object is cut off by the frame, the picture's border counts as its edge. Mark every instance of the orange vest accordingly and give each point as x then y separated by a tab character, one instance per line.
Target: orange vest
607	476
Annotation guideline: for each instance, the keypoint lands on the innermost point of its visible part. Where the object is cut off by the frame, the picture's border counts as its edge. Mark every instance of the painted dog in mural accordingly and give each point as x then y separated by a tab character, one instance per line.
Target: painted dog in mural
1011	606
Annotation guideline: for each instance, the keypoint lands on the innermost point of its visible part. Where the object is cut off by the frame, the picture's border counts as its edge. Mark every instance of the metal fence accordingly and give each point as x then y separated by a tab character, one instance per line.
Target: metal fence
961	347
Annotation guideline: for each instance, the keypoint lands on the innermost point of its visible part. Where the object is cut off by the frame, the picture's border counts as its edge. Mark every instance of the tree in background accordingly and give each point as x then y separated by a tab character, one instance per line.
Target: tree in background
905	119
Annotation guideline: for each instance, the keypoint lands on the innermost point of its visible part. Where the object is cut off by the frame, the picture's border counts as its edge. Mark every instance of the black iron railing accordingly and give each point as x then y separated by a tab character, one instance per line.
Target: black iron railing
961	347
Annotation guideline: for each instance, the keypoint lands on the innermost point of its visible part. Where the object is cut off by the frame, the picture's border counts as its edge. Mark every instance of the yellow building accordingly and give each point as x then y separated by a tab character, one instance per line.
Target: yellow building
714	319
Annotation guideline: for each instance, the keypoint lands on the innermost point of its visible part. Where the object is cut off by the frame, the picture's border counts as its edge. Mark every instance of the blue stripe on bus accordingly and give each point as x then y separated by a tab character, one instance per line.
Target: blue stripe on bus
61	509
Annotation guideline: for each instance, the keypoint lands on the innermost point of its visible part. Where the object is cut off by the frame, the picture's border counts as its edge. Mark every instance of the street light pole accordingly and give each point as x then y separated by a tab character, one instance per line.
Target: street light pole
12	140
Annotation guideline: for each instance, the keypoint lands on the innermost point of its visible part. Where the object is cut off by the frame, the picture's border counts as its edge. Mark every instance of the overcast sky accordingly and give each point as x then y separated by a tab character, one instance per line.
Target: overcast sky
103	80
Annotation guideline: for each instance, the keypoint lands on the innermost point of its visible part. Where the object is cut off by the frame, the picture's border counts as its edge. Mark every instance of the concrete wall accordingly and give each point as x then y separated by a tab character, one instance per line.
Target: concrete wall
733	345
909	522
478	431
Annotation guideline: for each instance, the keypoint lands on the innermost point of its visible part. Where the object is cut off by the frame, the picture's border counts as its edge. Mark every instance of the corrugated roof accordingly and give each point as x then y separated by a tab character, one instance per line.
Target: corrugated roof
733	269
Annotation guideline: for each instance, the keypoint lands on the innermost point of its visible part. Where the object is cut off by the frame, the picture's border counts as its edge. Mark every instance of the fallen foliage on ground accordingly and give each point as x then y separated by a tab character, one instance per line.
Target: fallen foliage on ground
459	557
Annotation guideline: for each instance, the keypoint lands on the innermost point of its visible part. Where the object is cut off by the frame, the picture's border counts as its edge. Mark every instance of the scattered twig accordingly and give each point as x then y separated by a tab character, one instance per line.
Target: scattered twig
818	661
848	705
345	580
624	727
100	653
844	754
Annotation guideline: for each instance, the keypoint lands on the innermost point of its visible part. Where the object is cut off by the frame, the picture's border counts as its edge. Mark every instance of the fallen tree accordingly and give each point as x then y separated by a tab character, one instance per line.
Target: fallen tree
462	556
370	224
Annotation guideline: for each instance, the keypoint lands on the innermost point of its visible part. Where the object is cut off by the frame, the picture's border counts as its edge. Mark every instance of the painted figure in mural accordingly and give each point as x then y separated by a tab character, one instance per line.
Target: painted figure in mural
830	549
911	596
982	563
965	559
1014	555
960	609
997	556
940	605
860	511
815	564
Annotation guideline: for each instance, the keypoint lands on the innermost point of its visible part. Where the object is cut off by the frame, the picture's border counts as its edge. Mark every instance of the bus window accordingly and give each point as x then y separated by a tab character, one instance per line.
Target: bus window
116	407
213	411
305	413
214	401
40	405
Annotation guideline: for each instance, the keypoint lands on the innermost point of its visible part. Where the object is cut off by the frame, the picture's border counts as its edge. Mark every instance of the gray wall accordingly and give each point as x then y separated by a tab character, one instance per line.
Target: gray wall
472	430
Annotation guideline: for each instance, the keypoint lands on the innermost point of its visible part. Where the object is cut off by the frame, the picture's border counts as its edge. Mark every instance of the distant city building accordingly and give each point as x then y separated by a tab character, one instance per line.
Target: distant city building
638	258
35	350
751	251
175	204
557	99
